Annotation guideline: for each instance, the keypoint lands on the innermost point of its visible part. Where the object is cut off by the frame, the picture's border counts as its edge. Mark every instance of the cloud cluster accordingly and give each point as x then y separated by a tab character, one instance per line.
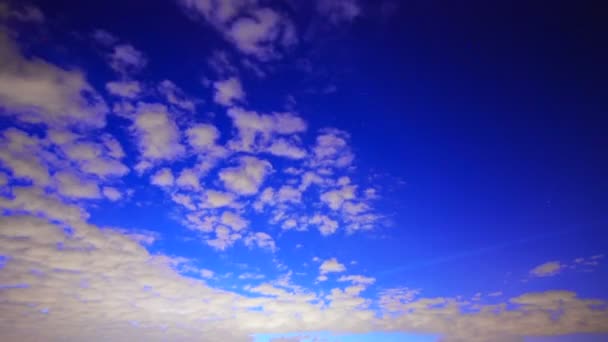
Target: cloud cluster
255	30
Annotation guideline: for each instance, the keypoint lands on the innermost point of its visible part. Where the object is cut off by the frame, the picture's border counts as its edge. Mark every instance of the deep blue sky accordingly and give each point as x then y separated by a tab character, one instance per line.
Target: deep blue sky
479	129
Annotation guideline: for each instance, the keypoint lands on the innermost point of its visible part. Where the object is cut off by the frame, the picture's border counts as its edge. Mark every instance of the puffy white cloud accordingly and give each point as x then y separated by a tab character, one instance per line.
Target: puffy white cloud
111	193
71	185
289	194
326	225
176	96
335	198
188	179
22	155
127	59
254	30
234	221
36	91
247	177
228	91
217	199
332	150
126	89
158	135
261	32
223	238
163	178
262	240
257	130
331	266
202	136
284	148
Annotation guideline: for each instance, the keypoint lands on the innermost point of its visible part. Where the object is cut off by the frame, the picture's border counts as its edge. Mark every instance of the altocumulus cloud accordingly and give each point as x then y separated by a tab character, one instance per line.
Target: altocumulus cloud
65	278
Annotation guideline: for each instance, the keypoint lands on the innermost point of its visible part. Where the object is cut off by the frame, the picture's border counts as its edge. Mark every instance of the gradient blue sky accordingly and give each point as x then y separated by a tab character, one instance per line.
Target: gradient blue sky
336	170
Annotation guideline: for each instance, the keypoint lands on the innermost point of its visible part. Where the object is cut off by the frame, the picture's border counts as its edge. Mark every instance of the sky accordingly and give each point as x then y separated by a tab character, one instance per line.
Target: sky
283	170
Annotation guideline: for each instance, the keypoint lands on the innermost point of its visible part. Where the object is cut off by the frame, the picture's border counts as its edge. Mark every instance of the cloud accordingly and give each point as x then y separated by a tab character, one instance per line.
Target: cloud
70	185
338	11
228	92
261	240
331	266
111	193
332	150
284	148
552	268
188	179
202	136
126	89
35	91
260	33
104	37
176	96
326	225
22	155
217	199
335	198
247	177
163	178
547	269
255	130
126	59
158	135
357	279
256	31
30	14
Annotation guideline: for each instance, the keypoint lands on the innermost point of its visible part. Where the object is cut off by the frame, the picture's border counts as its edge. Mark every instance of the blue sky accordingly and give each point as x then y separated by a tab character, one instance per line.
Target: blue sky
328	170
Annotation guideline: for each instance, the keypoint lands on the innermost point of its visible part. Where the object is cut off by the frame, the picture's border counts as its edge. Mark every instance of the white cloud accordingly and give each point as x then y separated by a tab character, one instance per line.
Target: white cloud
126	89
223	238
262	240
70	185
163	178
158	135
331	266
262	32
547	269
289	194
111	193
246	178
254	30
255	131
228	91
234	221
176	96
126	59
217	199
335	198
326	225
188	179
202	136
36	91
22	155
284	148
207	274
357	279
